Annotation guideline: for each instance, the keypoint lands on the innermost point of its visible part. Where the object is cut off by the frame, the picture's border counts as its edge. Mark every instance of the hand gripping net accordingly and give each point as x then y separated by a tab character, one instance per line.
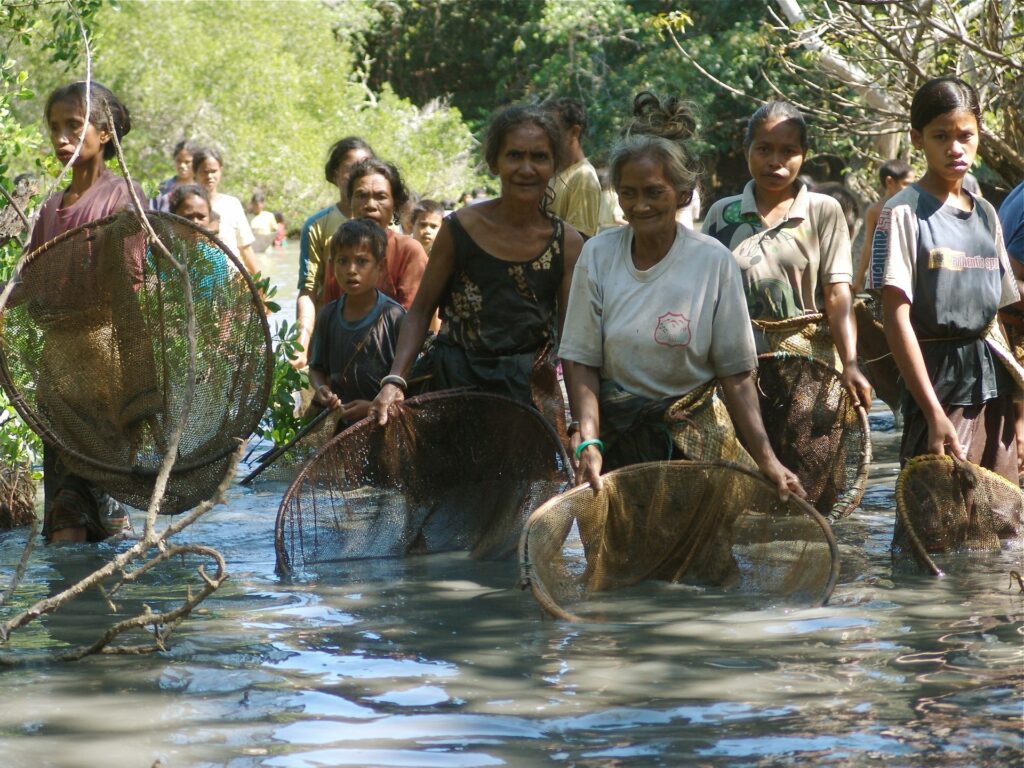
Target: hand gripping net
94	344
944	505
455	470
873	352
701	523
816	429
806	335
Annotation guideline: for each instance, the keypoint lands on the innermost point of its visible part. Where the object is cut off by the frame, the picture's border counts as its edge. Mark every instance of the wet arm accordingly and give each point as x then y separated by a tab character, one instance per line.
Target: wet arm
583	399
305	316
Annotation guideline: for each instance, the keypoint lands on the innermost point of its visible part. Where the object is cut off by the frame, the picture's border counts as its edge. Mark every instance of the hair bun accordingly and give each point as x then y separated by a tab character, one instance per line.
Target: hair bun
669	118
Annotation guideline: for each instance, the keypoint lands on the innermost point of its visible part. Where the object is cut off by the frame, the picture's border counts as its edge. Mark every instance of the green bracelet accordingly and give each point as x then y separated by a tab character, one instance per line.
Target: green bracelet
586	444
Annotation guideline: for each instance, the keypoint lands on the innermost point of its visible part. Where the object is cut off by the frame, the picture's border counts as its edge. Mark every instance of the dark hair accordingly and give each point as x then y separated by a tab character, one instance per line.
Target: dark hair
360	232
202	154
426	206
940	96
185	144
772	111
846	199
894	169
372	166
258	197
101	99
571	112
661	129
505	120
279	217
336	154
183	192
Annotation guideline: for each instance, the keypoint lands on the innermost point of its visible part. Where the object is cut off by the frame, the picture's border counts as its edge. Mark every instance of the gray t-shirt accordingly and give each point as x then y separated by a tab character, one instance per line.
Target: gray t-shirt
952	267
664	331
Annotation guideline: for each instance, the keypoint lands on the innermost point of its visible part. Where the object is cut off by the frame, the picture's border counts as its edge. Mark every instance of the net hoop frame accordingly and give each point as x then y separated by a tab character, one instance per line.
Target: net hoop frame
852	498
284	565
921	552
556	611
794	323
41	428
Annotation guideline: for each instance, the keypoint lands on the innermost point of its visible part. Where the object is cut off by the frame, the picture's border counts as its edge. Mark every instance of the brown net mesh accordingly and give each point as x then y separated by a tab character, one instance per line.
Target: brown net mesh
944	505
702	429
806	335
873	352
700	523
455	470
94	344
816	429
1006	352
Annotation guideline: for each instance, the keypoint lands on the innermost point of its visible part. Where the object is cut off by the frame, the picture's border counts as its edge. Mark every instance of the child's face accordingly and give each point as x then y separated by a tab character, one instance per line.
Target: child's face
356	270
892	186
208	174
425	229
183	164
775	155
67	124
949	143
196	210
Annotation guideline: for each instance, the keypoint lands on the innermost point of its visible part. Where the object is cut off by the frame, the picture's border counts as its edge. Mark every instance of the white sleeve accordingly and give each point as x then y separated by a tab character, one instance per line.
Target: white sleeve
896	241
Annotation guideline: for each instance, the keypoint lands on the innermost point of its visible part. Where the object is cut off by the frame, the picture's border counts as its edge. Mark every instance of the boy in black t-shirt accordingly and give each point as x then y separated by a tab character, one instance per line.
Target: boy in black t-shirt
353	343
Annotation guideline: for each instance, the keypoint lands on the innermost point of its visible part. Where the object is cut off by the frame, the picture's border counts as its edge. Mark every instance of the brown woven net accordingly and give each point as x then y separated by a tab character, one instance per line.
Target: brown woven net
944	505
873	352
816	429
94	344
701	523
702	429
806	335
455	470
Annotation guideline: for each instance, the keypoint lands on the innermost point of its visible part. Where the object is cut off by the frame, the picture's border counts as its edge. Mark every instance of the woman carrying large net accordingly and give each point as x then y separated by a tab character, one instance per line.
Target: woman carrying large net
656	320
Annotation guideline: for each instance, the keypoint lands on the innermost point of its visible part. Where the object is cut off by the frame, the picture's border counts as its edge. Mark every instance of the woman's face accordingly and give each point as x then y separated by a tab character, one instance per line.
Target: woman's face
195	209
525	163
949	143
208	174
183	164
775	155
67	125
371	199
647	198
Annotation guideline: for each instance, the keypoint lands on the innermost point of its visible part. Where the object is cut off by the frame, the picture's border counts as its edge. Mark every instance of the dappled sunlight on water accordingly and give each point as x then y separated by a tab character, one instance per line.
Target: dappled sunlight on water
443	661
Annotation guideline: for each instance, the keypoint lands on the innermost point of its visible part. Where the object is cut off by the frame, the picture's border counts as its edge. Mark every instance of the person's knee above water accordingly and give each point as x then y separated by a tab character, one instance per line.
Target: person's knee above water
353	344
499	270
655	310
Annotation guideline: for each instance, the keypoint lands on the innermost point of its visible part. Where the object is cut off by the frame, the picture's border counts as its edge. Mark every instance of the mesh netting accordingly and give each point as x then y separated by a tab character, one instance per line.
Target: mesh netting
94	344
806	335
1006	352
700	523
946	505
454	470
816	429
702	429
873	353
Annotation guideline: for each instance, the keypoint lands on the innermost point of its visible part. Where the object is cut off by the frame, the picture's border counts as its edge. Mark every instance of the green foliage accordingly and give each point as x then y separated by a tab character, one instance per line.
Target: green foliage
280	423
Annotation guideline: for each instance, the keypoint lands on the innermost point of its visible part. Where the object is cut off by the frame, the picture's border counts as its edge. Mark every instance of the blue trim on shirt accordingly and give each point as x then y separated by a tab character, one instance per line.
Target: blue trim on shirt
304	243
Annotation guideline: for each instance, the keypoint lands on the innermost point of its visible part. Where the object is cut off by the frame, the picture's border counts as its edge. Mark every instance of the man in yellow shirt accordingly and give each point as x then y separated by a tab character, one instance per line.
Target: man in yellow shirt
576	189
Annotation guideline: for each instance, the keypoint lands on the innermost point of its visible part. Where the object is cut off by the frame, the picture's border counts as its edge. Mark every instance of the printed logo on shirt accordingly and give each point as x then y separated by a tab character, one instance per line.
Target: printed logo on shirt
884	221
673	330
958	261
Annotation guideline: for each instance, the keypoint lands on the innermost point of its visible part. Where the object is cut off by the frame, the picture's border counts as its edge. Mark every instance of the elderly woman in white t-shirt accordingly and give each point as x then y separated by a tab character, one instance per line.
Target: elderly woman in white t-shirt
656	311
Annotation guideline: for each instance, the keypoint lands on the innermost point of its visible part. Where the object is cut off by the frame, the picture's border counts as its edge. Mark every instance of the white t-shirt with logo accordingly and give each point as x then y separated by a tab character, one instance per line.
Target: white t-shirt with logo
663	331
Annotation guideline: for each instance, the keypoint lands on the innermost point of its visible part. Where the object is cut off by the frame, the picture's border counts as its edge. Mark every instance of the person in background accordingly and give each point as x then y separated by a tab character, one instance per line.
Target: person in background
73	508
792	245
263	224
611	213
894	175
234	231
280	232
847	201
426	221
500	271
1011	214
315	237
183	152
354	337
947	273
576	188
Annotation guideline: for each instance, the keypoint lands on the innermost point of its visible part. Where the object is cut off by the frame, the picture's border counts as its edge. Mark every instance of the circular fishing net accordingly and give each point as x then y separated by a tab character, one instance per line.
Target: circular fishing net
944	505
873	352
451	470
94	355
700	523
816	429
806	335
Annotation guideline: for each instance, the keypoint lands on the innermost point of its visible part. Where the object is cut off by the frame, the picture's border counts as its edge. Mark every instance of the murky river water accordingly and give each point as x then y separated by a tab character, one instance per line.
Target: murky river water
442	661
